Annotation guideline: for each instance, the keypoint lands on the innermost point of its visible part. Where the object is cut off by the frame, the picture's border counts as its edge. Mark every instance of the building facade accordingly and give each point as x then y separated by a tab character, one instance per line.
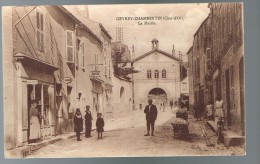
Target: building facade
217	63
50	55
190	78
227	62
201	43
158	79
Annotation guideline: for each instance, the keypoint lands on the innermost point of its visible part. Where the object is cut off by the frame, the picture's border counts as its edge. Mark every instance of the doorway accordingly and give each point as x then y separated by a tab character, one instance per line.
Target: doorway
242	94
158	96
229	93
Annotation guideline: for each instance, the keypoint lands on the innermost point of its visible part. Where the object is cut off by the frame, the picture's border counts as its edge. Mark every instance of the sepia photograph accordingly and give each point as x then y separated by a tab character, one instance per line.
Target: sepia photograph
123	80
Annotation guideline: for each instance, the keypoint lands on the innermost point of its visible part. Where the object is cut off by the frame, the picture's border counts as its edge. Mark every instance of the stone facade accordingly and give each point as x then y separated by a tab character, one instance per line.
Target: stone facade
152	66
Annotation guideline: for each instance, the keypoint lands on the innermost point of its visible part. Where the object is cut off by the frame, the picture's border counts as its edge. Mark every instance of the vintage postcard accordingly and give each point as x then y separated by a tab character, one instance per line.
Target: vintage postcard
133	80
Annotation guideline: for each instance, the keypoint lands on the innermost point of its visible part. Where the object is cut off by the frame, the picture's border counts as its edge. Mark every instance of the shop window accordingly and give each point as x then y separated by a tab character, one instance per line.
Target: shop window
149	74
184	86
69	46
39	30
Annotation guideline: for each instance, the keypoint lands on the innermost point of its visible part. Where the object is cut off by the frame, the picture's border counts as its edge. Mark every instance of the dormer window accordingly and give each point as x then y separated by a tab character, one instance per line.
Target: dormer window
39	31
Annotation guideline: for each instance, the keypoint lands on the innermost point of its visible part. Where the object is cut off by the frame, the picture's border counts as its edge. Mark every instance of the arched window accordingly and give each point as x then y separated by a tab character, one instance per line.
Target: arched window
156	74
149	74
122	94
164	73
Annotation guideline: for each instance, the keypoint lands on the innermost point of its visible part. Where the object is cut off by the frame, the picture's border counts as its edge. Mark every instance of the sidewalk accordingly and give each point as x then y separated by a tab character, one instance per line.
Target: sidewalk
134	120
230	138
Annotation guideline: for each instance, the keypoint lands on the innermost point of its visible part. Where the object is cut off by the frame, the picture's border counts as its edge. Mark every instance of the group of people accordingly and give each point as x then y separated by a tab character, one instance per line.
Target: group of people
78	124
211	113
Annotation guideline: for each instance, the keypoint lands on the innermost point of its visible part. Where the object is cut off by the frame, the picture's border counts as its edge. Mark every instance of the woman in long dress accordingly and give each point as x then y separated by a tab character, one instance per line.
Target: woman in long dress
219	108
34	122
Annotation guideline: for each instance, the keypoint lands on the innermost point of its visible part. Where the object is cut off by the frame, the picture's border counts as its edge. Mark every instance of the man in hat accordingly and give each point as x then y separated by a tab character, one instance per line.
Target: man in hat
151	115
88	122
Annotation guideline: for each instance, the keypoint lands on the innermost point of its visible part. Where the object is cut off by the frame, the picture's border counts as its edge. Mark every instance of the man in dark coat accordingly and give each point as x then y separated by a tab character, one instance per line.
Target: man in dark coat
78	123
88	122
151	115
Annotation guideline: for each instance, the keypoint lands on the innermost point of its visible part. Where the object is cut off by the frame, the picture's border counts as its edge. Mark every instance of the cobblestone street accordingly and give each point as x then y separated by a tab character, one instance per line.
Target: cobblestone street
130	141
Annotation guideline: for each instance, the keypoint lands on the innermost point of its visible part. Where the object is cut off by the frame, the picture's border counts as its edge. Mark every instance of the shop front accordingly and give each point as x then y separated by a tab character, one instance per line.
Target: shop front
35	86
97	94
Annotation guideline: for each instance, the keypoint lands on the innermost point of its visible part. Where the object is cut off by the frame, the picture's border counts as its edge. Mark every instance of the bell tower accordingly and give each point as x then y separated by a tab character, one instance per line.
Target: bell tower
155	44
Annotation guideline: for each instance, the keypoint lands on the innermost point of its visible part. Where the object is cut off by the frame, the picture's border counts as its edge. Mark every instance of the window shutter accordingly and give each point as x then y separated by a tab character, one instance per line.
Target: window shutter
69	46
39	31
82	54
208	53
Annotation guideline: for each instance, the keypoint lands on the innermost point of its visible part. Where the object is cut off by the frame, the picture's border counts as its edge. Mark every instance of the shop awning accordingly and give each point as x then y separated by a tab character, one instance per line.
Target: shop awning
33	61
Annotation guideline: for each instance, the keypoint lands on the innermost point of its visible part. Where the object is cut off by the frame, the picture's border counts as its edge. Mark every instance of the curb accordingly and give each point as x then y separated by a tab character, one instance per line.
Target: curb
23	152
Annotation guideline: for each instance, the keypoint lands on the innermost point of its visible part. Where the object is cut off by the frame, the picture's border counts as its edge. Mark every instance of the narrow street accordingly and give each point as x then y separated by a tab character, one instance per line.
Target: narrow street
130	140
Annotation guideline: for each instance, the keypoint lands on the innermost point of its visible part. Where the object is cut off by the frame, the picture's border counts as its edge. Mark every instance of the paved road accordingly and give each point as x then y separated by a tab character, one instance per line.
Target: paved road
131	141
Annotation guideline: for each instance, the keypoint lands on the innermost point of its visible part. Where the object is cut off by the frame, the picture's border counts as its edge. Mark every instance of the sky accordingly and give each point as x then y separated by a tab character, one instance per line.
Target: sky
168	32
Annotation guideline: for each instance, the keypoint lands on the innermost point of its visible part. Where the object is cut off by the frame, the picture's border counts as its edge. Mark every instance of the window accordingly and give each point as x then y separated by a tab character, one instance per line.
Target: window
164	74
78	52
39	31
69	46
208	53
184	86
149	74
198	68
82	54
109	68
105	62
122	94
156	74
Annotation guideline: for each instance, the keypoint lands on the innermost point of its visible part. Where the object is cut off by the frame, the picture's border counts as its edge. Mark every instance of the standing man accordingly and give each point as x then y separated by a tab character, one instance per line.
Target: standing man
88	122
151	115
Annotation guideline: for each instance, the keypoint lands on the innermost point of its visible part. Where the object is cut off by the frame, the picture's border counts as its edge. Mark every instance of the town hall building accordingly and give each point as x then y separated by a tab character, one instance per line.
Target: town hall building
158	79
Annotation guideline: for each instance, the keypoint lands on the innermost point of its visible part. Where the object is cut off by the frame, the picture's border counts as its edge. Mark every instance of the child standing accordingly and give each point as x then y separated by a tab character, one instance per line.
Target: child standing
100	125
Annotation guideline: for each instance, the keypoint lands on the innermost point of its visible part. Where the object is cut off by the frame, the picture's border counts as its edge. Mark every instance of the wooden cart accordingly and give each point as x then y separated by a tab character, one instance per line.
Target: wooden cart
181	130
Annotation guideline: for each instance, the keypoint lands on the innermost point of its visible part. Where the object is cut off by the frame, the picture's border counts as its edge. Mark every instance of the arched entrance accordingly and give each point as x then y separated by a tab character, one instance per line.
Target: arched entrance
158	96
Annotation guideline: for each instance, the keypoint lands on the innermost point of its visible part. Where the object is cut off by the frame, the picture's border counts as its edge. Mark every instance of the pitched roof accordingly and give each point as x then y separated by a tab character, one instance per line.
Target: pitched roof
158	50
185	65
80	21
189	50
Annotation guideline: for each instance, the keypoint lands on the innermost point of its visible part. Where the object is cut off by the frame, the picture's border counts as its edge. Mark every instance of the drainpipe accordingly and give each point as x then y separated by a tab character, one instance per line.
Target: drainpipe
75	47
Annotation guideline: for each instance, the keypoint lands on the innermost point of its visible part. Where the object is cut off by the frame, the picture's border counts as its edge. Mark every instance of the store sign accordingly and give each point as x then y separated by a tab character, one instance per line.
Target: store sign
32	82
95	73
67	80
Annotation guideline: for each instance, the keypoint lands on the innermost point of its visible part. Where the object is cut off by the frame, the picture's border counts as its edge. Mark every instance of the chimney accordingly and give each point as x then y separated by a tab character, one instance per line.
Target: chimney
78	10
173	50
